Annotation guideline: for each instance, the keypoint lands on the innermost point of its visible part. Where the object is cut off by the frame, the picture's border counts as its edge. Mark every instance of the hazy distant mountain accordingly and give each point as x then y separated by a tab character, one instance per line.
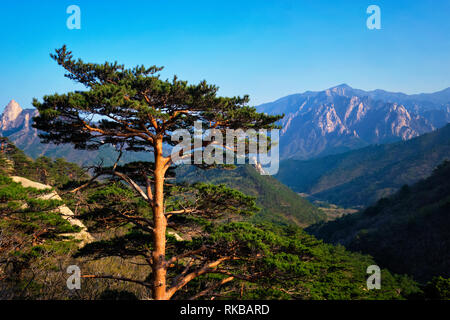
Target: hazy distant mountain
424	101
361	177
14	118
15	123
342	118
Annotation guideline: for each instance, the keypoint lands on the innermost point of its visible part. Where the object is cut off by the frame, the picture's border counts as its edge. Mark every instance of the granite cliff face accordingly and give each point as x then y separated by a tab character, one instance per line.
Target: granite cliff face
342	118
15	119
15	123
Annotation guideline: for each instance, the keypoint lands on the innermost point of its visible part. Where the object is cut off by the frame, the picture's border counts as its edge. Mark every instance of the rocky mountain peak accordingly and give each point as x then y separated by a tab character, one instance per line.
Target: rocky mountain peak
342	86
341	90
15	119
343	118
12	111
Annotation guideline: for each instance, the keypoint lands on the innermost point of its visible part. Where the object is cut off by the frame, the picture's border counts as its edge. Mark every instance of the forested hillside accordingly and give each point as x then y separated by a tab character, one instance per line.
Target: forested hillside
407	232
56	172
291	263
361	177
278	203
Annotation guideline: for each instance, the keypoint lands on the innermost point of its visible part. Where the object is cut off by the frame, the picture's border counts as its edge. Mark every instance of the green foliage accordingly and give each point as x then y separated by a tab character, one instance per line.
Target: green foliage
132	102
12	191
57	172
211	201
407	232
14	159
134	110
22	212
31	230
282	262
278	203
295	265
438	289
277	262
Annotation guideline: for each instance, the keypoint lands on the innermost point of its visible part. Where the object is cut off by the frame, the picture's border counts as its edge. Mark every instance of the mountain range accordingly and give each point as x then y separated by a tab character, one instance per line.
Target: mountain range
15	123
400	139
361	177
316	123
343	118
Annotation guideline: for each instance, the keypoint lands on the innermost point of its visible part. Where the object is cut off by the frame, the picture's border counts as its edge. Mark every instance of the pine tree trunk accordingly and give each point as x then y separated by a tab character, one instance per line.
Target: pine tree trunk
160	224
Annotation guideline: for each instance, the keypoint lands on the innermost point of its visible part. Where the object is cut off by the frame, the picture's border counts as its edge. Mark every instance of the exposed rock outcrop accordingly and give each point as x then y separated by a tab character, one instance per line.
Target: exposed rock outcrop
342	118
84	236
14	119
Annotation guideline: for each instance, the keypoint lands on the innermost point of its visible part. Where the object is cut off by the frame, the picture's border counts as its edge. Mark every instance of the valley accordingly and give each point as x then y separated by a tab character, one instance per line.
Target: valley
406	232
360	177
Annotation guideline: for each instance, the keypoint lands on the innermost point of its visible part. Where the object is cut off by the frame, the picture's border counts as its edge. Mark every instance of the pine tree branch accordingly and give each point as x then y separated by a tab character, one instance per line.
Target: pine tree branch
86	184
212	288
191	276
93	276
185	255
131	183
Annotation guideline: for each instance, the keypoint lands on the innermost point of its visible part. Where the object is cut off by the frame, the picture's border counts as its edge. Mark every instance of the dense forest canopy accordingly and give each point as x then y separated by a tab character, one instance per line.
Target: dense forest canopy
406	232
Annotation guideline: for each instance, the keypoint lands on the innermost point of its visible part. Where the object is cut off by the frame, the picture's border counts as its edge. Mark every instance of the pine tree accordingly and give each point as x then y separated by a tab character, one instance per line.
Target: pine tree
134	110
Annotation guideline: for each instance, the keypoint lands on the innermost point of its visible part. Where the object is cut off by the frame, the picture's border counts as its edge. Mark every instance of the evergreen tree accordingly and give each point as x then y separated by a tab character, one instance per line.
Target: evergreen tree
134	110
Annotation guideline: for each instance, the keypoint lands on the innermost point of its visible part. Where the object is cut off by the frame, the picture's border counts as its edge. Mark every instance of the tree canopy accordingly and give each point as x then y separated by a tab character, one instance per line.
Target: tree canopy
134	110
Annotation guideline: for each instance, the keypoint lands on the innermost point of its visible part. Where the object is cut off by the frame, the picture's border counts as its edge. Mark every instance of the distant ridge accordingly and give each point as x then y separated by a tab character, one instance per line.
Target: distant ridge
316	124
360	177
341	118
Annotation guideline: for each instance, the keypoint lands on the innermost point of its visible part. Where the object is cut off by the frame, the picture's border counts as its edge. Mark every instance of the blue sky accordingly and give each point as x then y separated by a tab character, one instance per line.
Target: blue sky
267	49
